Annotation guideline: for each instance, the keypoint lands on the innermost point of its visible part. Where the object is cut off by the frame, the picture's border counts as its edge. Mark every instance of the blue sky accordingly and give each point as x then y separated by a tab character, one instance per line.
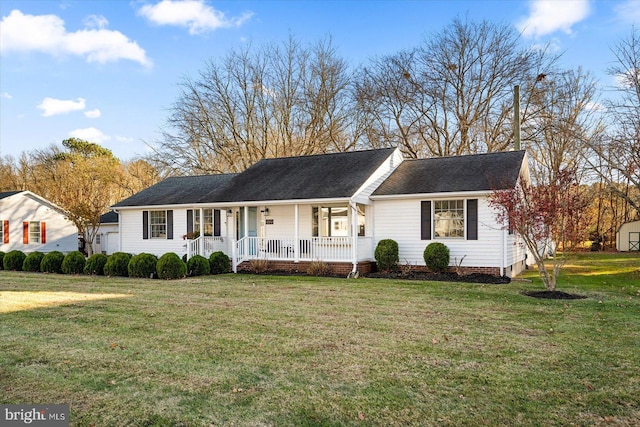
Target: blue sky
107	71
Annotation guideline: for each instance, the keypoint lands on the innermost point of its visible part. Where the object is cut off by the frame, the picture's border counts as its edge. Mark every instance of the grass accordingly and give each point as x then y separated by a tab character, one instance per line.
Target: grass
293	351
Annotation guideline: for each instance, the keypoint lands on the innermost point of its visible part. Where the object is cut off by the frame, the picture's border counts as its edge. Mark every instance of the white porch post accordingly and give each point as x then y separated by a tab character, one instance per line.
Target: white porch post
246	231
296	247
201	237
354	235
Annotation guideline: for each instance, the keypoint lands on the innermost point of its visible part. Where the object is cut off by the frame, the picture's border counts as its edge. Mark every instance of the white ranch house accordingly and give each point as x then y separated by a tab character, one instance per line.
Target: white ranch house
333	208
31	223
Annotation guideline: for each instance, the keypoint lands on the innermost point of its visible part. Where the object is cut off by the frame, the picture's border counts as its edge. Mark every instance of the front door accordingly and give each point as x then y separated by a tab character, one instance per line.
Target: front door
251	227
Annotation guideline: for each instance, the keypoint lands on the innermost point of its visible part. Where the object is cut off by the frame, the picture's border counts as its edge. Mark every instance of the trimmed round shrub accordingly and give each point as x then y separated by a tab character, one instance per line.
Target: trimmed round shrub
117	264
1	258
52	262
13	260
143	265
436	257
219	263
387	254
170	266
95	265
32	262
73	263
198	266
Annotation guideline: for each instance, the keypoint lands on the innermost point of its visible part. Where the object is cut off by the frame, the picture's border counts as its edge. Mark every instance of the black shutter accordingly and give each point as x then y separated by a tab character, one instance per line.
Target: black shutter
145	224
472	219
216	222
169	224
425	220
189	220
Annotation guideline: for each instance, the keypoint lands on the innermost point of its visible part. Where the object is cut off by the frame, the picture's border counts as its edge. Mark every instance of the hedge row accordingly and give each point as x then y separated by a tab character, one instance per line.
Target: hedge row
144	265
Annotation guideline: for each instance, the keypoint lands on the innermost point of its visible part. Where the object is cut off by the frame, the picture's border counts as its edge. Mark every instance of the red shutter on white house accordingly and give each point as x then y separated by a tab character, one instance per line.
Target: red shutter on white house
43	232
25	232
5	231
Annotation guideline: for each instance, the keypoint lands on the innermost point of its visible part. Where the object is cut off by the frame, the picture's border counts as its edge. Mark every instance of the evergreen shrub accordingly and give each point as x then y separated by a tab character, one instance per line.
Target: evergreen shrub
436	257
95	265
13	260
198	266
387	254
73	263
219	263
52	262
170	266
143	265
32	262
117	265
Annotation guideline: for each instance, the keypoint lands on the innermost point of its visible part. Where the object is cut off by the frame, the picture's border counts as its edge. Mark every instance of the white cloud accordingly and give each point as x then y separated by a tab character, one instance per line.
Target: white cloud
47	34
628	11
595	106
548	16
93	114
124	138
53	107
194	14
90	134
95	21
6	95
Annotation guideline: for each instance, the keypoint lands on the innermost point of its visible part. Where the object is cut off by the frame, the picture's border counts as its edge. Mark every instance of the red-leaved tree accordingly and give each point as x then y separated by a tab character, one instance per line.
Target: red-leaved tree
546	217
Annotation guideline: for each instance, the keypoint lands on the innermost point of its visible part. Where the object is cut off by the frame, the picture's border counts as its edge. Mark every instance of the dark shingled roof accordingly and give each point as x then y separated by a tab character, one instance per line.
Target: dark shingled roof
109	218
322	176
8	194
179	190
479	172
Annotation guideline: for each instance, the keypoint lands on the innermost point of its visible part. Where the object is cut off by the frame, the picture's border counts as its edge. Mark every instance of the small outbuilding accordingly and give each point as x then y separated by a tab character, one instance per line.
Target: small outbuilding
628	237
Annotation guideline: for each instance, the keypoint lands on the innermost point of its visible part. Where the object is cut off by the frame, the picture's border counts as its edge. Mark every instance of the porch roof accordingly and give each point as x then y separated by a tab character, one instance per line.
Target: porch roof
478	172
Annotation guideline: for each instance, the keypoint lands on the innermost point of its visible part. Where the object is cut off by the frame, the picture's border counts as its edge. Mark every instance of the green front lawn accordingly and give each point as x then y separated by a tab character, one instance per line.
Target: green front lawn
292	351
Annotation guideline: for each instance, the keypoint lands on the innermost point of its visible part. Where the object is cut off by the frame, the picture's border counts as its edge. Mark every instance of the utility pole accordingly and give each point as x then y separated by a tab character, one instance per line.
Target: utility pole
516	117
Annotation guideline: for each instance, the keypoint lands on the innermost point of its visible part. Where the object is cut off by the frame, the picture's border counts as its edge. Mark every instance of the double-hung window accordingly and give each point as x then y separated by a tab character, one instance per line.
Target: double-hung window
158	224
34	232
333	221
448	218
207	222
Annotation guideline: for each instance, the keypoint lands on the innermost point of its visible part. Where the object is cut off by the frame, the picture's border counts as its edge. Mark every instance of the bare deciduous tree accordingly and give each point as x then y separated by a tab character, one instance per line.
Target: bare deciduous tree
619	150
454	93
280	100
565	120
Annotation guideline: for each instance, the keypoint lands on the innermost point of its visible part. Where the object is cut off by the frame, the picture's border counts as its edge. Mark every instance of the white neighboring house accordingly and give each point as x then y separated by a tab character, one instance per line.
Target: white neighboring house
107	240
333	208
628	237
31	223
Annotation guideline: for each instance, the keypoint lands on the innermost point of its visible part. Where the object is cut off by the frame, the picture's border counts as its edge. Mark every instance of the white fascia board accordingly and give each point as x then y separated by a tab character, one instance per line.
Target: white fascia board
42	200
236	204
449	195
386	168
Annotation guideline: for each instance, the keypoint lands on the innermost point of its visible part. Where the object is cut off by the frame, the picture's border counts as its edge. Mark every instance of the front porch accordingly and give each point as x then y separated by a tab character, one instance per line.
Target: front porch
285	233
286	249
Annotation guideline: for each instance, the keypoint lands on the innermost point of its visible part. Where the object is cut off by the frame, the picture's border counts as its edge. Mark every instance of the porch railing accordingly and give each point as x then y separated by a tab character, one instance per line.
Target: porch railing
328	249
205	246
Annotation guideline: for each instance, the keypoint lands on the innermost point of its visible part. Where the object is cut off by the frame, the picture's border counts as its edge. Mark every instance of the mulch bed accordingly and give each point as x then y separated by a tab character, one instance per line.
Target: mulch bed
552	295
444	277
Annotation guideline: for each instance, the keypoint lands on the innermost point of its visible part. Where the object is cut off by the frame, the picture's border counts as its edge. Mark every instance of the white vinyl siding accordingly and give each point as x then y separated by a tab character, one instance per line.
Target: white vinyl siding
400	220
